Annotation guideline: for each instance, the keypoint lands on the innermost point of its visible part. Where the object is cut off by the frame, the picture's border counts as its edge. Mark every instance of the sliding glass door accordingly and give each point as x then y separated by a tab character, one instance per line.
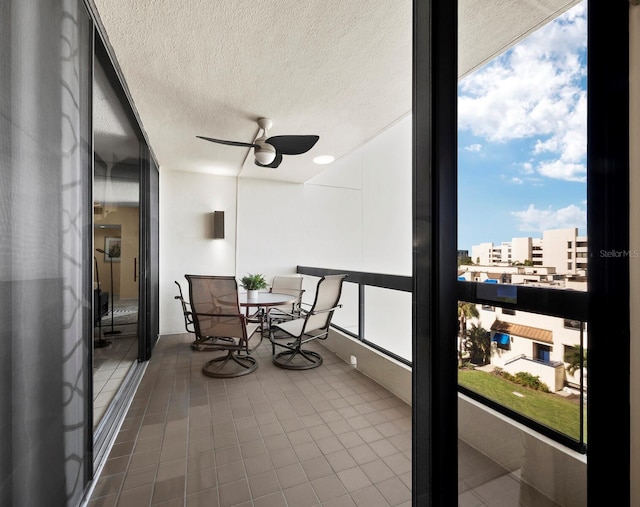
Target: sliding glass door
116	237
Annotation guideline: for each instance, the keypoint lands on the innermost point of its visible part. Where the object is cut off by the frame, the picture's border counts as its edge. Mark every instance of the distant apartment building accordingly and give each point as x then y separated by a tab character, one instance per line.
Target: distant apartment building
561	249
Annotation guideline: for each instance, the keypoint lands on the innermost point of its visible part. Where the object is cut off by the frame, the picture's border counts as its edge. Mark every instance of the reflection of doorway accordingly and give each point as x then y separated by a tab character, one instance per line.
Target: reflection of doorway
117	245
116	242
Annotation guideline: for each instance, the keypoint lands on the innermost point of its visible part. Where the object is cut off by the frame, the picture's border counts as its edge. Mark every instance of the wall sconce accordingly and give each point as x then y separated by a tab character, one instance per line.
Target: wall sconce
218	225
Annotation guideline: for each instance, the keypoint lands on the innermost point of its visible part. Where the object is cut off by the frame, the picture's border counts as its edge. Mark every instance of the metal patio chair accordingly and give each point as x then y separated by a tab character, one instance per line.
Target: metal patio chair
220	324
313	324
291	285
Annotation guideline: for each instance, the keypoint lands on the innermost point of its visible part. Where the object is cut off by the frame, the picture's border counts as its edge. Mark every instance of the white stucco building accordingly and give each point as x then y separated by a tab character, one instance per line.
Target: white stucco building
528	342
562	249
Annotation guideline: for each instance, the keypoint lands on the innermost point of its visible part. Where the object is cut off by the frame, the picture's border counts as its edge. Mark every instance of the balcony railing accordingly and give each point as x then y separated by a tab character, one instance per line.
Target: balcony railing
363	280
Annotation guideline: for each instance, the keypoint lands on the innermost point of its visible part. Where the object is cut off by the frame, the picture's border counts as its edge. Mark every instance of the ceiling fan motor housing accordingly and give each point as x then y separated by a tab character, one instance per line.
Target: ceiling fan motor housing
266	153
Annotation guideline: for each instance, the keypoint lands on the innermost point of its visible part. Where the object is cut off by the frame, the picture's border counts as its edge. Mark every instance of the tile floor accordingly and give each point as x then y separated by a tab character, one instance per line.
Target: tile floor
323	437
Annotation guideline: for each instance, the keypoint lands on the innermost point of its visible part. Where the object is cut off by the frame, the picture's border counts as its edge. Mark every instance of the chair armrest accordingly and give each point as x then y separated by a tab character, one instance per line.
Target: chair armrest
316	312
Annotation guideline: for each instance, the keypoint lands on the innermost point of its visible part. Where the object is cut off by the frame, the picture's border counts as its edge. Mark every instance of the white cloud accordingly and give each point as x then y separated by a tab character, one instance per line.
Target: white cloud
534	92
473	147
560	170
537	220
517	180
527	168
570	138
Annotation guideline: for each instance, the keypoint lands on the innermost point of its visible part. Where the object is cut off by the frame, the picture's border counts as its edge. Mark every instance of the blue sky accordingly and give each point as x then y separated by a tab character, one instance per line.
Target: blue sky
522	128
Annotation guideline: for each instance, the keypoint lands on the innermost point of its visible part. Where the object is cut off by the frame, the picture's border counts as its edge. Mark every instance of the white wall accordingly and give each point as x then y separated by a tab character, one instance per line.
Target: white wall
481	254
362	206
270	227
187	201
387	201
334	232
555	249
521	249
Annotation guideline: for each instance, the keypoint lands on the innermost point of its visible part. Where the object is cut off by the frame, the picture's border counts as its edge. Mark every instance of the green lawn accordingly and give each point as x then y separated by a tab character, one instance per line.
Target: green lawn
549	409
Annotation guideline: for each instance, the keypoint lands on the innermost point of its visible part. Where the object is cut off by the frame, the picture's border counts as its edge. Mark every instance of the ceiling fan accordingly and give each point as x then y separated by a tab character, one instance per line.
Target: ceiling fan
268	151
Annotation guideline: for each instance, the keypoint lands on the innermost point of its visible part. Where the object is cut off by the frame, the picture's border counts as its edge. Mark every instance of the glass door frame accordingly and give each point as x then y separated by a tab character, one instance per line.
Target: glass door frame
148	265
435	387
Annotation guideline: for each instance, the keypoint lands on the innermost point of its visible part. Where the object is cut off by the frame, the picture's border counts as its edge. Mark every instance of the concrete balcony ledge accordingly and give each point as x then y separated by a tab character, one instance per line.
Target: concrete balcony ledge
386	371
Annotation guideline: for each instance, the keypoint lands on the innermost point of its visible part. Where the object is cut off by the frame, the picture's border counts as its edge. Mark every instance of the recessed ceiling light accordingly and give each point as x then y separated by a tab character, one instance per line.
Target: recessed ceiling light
324	159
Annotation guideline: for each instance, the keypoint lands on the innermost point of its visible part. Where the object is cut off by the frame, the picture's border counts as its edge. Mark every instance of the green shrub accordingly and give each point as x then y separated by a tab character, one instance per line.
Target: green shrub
524	379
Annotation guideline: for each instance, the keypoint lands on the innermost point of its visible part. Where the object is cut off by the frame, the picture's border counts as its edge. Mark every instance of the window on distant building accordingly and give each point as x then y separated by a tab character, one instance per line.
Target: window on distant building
568	255
569	244
569	353
569	265
542	352
502	341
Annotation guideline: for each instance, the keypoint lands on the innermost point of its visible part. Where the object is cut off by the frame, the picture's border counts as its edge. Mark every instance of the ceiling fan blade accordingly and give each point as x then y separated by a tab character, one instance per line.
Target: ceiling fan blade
276	162
230	143
293	145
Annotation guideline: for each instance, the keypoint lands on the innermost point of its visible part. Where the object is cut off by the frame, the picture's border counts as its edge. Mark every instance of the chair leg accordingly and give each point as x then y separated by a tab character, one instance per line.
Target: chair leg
216	367
271	339
287	359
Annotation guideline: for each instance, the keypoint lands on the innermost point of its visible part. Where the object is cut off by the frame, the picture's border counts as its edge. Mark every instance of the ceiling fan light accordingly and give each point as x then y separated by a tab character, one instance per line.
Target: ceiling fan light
266	154
324	159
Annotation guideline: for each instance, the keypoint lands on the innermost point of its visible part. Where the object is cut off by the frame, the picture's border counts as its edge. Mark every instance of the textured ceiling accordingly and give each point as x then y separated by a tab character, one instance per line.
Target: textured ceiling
338	69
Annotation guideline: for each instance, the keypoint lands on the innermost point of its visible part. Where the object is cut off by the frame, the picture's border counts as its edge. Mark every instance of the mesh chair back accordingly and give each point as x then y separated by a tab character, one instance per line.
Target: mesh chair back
328	294
287	285
215	307
291	285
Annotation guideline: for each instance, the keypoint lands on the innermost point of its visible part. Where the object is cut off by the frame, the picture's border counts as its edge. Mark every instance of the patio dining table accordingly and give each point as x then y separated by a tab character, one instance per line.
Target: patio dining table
262	302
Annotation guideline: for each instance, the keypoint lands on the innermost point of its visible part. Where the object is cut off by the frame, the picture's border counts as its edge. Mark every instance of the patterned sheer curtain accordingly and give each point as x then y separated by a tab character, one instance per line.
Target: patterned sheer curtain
45	262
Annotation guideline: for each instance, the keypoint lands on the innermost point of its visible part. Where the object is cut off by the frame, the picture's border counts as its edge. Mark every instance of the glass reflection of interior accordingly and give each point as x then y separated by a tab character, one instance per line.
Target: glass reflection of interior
116	233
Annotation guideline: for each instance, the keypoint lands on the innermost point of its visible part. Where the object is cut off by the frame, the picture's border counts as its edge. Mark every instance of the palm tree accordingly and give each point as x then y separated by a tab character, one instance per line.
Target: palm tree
466	311
576	356
478	344
464	260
